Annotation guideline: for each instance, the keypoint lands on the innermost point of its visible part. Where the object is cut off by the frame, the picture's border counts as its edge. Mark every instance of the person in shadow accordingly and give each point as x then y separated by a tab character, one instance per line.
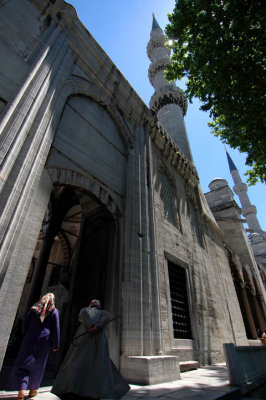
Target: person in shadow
88	371
41	333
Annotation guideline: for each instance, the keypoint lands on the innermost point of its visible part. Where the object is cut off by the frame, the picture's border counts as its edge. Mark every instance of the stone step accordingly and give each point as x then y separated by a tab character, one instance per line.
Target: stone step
188	365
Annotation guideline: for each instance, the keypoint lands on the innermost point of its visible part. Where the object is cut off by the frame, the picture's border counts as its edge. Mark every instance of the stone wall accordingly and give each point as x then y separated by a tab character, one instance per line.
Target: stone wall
16	48
213	318
58	59
245	366
70	118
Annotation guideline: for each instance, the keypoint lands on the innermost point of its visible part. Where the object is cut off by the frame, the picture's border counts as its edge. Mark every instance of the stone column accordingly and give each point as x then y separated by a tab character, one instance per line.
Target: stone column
28	126
64	200
19	264
258	313
248	312
140	335
39	271
142	360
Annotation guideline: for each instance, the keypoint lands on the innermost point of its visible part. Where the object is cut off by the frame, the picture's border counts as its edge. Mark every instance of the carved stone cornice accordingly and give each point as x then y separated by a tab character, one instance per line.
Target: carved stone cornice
229	204
171	151
95	63
62	13
157	66
158	41
169	95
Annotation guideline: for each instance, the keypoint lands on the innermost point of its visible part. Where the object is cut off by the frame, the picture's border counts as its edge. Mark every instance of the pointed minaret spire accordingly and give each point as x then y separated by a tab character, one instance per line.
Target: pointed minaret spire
154	22
169	102
232	166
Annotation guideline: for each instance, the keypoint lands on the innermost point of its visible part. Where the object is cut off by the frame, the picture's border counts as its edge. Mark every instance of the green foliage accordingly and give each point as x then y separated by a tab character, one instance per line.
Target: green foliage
219	46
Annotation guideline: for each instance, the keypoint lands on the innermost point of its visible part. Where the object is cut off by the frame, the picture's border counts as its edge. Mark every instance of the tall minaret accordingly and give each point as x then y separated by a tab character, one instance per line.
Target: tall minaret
257	235
248	210
169	102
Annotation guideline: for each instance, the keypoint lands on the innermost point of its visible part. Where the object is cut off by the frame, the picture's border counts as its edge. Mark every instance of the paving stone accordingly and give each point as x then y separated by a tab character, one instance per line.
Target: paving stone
191	389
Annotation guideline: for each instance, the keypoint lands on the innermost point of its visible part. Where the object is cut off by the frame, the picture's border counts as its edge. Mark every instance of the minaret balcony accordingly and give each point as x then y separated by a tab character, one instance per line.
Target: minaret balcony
169	95
156	67
155	43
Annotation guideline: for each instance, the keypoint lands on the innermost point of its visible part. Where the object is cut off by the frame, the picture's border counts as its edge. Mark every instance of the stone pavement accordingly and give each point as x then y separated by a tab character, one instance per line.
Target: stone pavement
208	383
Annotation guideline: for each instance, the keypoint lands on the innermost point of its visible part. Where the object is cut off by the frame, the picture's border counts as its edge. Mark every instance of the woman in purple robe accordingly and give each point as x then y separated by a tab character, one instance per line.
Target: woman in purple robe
40	333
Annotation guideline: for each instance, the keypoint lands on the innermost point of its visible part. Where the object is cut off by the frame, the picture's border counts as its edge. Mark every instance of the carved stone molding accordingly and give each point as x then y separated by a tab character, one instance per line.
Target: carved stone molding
124	130
193	195
169	95
157	66
64	176
229	204
94	61
172	152
64	14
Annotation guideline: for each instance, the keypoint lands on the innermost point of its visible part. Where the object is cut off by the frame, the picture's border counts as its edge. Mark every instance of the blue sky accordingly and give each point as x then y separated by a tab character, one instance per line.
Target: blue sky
122	28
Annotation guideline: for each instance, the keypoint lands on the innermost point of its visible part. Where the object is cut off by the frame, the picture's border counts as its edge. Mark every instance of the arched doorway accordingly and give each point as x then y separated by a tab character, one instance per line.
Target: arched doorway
77	258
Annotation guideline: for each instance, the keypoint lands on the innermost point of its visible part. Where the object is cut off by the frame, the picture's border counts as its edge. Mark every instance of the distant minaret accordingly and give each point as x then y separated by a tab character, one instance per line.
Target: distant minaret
257	235
169	102
248	210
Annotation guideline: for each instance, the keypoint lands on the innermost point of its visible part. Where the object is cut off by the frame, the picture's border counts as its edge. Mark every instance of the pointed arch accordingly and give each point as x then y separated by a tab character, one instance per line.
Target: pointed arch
78	86
63	176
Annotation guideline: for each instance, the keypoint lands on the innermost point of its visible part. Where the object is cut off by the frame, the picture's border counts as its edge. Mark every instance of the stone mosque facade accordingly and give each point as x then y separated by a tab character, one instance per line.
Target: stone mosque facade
100	199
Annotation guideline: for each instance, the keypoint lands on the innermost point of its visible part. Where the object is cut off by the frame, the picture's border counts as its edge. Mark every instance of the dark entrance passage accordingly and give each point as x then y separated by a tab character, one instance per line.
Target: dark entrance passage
75	258
92	261
90	277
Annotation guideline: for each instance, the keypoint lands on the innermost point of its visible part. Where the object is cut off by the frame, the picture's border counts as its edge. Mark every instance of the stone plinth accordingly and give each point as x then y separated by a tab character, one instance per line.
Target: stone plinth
245	364
148	370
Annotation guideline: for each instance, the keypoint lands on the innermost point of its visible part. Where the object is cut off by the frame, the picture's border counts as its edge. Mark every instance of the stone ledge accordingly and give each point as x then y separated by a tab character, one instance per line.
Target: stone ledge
188	365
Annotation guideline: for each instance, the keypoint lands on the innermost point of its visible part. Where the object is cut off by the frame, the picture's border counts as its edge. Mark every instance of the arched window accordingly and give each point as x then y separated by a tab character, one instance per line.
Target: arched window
195	224
168	198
